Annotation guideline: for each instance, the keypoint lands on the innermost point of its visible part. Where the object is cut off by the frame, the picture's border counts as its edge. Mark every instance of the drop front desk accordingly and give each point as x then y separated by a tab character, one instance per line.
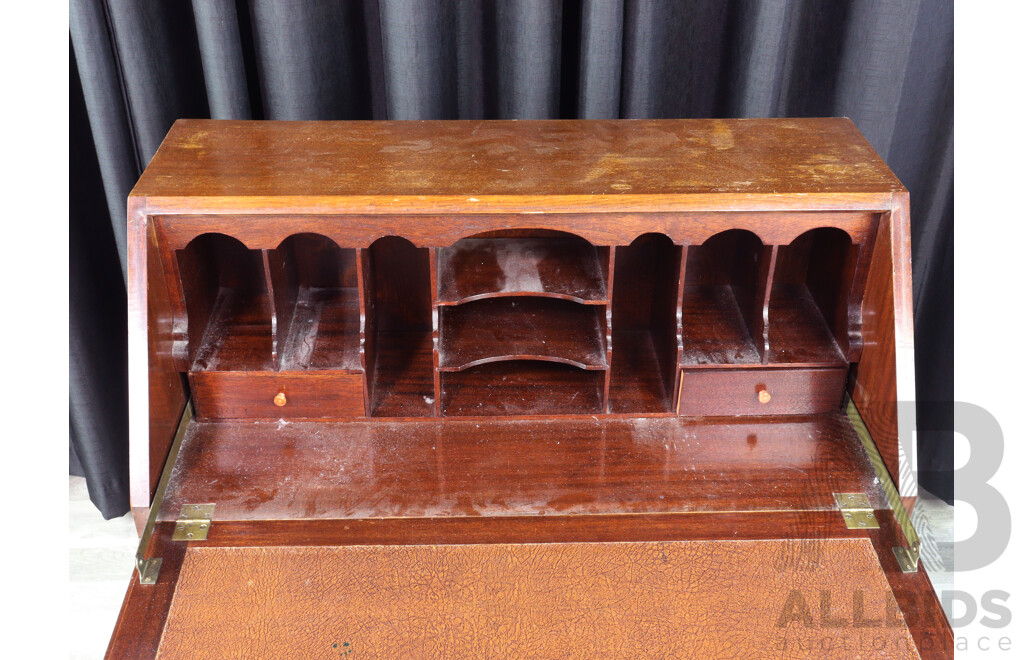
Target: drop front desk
522	389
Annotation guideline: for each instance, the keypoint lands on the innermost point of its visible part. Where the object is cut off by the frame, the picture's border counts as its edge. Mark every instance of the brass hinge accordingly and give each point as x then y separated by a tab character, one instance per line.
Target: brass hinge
908	557
857	510
149	568
193	523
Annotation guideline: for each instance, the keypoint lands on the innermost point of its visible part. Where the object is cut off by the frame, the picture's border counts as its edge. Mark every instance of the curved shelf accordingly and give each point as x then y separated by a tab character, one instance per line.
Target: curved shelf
523	388
482	268
537	329
521	357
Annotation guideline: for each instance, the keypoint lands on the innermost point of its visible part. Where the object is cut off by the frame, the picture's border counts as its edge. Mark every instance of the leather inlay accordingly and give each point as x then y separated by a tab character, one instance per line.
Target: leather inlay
688	599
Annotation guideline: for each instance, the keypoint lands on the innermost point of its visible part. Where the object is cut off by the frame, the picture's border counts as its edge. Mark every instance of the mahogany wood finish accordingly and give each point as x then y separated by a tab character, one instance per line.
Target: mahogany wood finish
157	383
644	320
522	387
769	392
239	395
478	268
501	467
522	328
534	332
883	381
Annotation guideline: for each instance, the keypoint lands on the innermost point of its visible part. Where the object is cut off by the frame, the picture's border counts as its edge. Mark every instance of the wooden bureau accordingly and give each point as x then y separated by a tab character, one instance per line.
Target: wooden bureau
522	388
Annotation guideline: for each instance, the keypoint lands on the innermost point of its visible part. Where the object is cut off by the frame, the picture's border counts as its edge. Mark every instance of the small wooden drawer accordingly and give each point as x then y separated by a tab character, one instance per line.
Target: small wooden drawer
275	395
719	392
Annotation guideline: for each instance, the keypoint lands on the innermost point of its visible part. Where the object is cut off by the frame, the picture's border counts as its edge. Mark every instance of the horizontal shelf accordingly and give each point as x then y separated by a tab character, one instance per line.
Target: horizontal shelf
478	268
797	332
714	330
238	335
522	328
324	331
522	388
499	468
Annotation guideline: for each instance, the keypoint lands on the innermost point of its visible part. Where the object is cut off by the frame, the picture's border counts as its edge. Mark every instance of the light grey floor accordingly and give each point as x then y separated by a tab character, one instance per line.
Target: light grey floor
933	520
102	557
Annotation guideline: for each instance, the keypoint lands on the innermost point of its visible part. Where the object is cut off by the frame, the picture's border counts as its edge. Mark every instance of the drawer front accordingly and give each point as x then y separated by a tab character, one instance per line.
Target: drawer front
707	392
257	395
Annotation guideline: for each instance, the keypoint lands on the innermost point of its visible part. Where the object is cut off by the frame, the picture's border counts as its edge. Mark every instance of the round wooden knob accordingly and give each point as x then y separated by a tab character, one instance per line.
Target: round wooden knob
762	394
280	399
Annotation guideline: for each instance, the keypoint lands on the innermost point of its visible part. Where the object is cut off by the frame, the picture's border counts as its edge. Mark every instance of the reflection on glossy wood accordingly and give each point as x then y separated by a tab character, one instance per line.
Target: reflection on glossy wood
526	467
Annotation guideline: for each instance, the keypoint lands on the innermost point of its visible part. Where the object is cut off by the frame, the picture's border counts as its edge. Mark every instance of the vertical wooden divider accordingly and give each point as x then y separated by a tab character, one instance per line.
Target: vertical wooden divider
435	314
766	279
367	340
275	329
678	381
855	311
609	278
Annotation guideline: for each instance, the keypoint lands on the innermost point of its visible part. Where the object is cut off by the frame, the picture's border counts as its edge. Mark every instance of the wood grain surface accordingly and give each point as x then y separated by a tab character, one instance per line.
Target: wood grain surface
250	395
478	268
735	391
210	158
524	327
489	467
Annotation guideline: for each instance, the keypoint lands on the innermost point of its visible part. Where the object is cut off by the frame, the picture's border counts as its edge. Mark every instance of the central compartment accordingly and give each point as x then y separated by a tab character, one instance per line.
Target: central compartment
522	324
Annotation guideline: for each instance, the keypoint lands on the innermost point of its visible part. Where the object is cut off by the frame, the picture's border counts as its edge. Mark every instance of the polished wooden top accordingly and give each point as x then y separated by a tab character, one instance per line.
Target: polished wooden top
386	165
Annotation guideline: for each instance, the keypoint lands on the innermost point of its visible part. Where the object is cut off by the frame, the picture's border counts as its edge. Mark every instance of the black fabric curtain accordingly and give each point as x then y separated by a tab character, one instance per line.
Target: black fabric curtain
138	66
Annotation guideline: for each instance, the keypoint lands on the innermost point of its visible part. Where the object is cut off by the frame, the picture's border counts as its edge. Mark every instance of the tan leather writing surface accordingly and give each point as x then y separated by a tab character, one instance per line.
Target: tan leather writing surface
694	599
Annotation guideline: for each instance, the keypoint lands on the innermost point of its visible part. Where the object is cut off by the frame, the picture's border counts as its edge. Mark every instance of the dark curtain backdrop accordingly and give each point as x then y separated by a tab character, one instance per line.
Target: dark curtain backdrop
138	66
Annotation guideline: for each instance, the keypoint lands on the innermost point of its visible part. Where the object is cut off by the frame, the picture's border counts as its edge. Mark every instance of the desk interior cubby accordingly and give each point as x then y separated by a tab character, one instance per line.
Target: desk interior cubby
811	292
316	301
230	315
644	325
723	303
399	327
522	324
522	321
